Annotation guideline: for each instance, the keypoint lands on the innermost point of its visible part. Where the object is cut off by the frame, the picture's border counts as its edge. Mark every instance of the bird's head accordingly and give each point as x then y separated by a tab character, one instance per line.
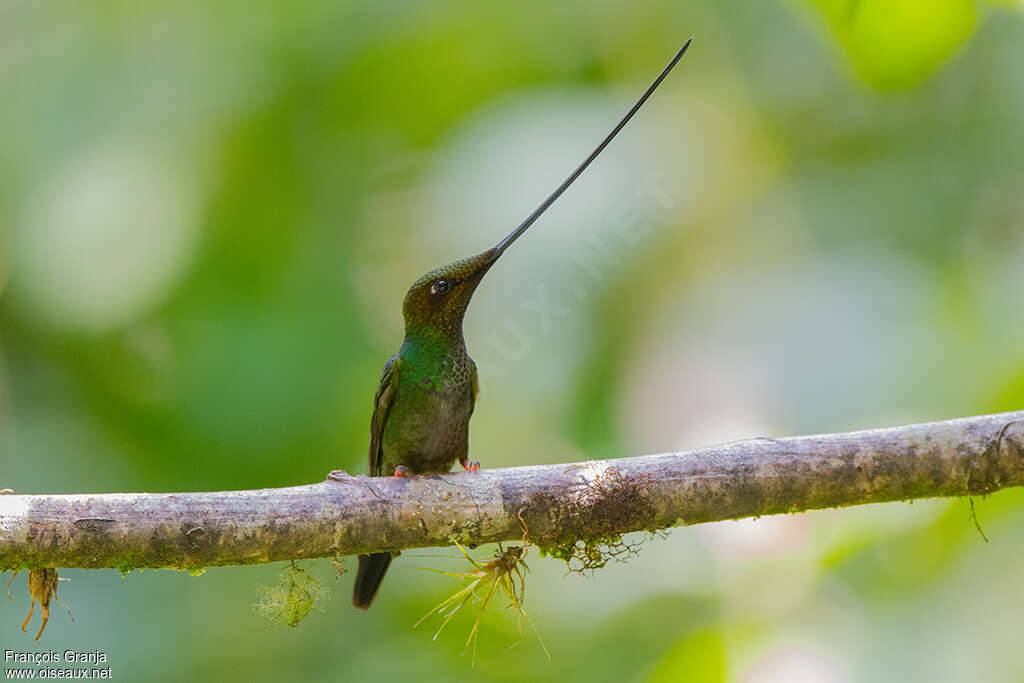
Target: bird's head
438	300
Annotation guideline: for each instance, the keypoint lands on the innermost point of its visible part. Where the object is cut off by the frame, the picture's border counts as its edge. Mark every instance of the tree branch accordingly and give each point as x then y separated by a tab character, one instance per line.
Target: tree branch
560	504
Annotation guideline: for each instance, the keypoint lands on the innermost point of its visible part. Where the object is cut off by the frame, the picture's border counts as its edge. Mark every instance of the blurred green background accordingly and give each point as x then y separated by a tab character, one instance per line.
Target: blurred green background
211	212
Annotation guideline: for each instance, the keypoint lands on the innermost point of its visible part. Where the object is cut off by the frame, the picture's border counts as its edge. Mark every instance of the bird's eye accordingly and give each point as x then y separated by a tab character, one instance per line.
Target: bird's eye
440	287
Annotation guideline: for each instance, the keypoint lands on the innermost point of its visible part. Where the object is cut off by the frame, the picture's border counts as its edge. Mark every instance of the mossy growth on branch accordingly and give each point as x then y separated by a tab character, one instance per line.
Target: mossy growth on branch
288	603
587	555
589	537
125	563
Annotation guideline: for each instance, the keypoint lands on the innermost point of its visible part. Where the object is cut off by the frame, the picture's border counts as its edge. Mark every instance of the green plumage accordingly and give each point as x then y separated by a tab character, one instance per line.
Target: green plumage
427	390
426	393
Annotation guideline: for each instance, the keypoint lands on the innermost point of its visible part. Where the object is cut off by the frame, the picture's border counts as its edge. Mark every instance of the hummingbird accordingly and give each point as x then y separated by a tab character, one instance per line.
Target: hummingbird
427	390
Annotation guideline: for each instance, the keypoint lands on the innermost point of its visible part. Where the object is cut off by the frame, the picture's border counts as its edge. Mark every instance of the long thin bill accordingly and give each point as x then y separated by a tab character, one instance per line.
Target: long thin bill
521	228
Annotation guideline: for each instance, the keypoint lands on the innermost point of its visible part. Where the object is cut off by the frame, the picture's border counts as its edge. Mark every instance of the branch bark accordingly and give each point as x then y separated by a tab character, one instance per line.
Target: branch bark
560	504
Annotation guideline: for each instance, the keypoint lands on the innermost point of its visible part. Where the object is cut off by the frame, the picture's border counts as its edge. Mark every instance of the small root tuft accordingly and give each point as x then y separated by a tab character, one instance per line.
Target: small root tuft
339	565
42	586
506	571
974	518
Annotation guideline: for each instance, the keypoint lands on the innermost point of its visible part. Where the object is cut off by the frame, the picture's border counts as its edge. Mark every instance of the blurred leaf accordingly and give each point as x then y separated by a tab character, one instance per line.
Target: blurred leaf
647	631
1011	395
699	657
895	44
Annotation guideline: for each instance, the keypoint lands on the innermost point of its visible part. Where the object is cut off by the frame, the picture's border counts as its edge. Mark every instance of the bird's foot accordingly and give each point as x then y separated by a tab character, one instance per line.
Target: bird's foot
402	471
339	475
470	465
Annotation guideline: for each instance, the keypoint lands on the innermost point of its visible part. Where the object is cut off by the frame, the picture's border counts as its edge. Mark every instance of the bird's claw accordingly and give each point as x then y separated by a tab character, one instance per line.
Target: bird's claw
470	465
339	475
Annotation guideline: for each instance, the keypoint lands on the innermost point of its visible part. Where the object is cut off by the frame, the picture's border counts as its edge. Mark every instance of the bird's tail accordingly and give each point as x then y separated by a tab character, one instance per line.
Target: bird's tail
372	569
